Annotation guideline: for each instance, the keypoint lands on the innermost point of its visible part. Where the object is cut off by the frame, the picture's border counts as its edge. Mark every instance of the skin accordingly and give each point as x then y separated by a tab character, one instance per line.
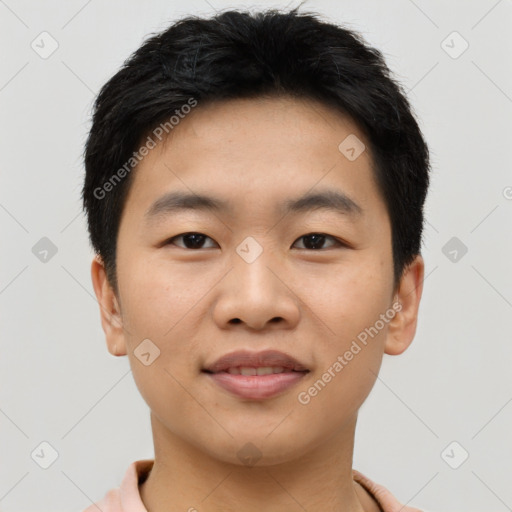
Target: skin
309	303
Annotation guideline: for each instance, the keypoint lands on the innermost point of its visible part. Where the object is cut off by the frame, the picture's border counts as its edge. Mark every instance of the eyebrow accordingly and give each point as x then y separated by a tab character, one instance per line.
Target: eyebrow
175	202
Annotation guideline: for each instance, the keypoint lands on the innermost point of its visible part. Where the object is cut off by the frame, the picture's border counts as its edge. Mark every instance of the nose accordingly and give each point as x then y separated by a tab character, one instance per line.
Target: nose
258	294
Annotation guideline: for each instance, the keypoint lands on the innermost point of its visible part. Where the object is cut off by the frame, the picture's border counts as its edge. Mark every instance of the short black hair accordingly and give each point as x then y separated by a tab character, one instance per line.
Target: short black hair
242	54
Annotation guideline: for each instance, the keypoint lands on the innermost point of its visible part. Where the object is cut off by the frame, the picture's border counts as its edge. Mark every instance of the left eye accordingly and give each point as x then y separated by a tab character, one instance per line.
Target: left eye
317	239
314	241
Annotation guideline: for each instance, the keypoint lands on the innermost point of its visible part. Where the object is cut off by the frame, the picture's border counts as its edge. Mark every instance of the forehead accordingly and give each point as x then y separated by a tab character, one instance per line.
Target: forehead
272	148
257	128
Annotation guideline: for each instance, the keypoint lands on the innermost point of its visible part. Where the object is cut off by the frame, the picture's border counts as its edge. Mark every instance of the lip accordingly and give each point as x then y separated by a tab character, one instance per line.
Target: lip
256	387
256	359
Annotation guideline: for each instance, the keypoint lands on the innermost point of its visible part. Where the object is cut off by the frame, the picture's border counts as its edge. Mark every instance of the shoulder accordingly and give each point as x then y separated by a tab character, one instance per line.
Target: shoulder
384	498
126	497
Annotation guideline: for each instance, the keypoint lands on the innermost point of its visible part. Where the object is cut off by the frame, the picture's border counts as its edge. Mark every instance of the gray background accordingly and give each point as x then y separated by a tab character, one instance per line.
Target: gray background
60	385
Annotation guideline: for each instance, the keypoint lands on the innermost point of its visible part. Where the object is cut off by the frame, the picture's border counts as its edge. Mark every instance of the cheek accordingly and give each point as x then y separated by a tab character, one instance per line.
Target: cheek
156	294
351	299
352	341
162	302
350	351
157	306
351	348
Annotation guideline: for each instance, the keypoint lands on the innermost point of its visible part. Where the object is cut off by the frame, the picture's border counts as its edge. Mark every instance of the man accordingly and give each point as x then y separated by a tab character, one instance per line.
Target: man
254	190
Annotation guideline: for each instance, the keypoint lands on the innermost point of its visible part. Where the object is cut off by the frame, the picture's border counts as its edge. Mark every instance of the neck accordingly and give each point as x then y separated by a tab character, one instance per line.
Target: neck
184	478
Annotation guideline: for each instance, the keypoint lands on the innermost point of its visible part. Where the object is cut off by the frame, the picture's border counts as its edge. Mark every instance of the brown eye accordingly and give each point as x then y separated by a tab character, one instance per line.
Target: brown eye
190	240
315	241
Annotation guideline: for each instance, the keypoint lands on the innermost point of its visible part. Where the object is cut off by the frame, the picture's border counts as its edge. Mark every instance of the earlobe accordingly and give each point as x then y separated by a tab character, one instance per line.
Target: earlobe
110	312
402	327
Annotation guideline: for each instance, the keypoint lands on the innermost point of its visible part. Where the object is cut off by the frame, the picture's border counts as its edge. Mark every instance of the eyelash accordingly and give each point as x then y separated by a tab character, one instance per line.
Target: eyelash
339	243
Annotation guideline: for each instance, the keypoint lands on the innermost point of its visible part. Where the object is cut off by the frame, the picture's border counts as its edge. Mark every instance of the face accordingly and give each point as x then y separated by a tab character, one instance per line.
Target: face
271	262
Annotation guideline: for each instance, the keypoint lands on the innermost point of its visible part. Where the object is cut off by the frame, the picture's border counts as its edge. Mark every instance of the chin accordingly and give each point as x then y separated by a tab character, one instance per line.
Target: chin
256	448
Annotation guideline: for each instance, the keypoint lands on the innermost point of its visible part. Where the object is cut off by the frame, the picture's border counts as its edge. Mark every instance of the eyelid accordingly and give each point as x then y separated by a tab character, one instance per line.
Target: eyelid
338	242
170	241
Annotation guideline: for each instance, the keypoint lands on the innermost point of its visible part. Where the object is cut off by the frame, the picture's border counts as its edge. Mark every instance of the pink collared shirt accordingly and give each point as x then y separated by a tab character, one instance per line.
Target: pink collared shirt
127	498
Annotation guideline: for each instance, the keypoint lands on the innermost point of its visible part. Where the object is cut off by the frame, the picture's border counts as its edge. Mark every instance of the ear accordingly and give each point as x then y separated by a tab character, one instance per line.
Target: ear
111	319
402	328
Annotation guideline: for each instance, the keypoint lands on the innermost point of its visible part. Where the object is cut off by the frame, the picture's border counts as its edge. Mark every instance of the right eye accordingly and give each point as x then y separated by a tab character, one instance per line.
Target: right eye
190	240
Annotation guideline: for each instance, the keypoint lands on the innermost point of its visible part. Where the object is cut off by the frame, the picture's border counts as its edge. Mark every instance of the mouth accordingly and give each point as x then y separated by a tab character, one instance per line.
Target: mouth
256	375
